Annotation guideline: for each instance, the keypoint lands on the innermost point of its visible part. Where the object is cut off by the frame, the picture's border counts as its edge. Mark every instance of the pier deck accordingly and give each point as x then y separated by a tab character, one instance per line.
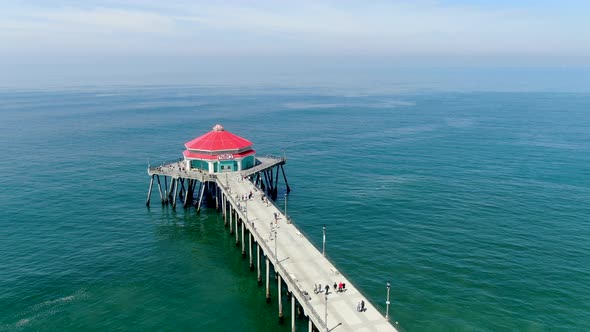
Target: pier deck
176	169
302	265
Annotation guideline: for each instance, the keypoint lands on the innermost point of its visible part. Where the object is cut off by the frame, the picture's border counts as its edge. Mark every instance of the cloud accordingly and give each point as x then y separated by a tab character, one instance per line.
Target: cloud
305	27
76	30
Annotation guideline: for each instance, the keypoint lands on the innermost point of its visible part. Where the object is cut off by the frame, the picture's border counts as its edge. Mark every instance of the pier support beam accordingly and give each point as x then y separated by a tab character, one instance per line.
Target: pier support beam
216	198
279	297
165	189
237	231
201	197
258	263
231	222
182	190
160	189
243	242
285	177
189	183
169	193
250	251
175	193
147	202
226	210
293	300
267	280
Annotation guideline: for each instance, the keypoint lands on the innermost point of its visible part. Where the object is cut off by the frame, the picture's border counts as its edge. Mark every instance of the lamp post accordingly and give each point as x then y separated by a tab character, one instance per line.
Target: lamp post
276	240
387	302
286	215
324	241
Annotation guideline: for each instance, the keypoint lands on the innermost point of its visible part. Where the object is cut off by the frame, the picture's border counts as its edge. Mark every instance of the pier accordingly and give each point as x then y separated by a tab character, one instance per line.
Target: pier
269	239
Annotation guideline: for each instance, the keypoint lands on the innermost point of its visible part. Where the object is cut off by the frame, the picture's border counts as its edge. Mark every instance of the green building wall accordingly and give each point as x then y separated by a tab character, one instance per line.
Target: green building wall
248	162
225	165
199	164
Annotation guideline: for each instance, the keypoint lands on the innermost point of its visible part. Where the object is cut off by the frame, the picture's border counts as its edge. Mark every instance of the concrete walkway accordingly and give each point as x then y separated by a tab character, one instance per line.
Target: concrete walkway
302	266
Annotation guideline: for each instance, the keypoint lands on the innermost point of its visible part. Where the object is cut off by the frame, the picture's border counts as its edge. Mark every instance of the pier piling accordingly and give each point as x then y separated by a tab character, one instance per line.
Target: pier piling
250	251
149	196
258	263
279	297
267	280
243	242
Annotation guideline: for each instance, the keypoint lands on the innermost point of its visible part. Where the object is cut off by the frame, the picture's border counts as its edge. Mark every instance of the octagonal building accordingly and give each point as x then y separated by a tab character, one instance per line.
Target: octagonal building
219	151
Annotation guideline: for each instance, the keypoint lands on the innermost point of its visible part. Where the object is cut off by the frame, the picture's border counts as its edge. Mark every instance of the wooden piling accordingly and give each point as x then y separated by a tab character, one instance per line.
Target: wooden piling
250	250
280	299
175	192
201	197
285	177
259	280
267	280
160	189
149	196
293	300
243	242
237	231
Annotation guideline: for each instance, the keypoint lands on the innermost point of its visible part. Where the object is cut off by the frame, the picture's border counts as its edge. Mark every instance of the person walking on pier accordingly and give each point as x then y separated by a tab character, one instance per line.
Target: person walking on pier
327	289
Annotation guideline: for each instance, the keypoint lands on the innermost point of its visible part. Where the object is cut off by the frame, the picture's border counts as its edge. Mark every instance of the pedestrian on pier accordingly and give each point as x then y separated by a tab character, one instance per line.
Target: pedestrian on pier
327	289
335	285
363	306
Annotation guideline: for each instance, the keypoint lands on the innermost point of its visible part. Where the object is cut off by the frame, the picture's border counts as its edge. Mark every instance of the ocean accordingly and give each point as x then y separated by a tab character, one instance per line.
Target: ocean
474	204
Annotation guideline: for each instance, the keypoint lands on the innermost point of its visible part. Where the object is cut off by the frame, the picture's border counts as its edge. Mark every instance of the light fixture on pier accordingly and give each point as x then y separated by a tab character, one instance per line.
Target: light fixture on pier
276	240
324	241
387	302
286	215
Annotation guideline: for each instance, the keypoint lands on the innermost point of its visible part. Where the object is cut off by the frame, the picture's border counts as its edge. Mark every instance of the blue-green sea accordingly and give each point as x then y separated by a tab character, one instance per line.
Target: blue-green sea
475	205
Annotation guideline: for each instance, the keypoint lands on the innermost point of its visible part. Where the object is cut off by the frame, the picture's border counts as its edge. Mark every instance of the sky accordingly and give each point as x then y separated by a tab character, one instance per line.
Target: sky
295	28
323	42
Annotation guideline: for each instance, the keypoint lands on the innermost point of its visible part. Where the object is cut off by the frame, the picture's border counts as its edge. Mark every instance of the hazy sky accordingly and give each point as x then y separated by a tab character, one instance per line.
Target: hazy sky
292	28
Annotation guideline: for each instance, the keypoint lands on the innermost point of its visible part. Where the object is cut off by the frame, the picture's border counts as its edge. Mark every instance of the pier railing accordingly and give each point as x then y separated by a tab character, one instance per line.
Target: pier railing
211	176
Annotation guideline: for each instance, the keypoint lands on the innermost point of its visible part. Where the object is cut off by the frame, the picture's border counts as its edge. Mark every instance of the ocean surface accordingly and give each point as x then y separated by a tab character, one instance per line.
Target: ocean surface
475	205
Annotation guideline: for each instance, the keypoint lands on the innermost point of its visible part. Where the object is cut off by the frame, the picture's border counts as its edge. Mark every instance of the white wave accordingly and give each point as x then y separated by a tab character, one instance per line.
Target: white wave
23	322
45	309
78	294
460	122
544	141
377	104
392	104
301	105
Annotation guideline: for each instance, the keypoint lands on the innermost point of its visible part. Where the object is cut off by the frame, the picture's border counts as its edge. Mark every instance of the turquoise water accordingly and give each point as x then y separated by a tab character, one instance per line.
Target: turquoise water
474	205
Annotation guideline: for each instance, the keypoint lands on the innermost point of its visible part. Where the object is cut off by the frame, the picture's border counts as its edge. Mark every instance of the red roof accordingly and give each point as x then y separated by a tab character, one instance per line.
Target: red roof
218	140
194	155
